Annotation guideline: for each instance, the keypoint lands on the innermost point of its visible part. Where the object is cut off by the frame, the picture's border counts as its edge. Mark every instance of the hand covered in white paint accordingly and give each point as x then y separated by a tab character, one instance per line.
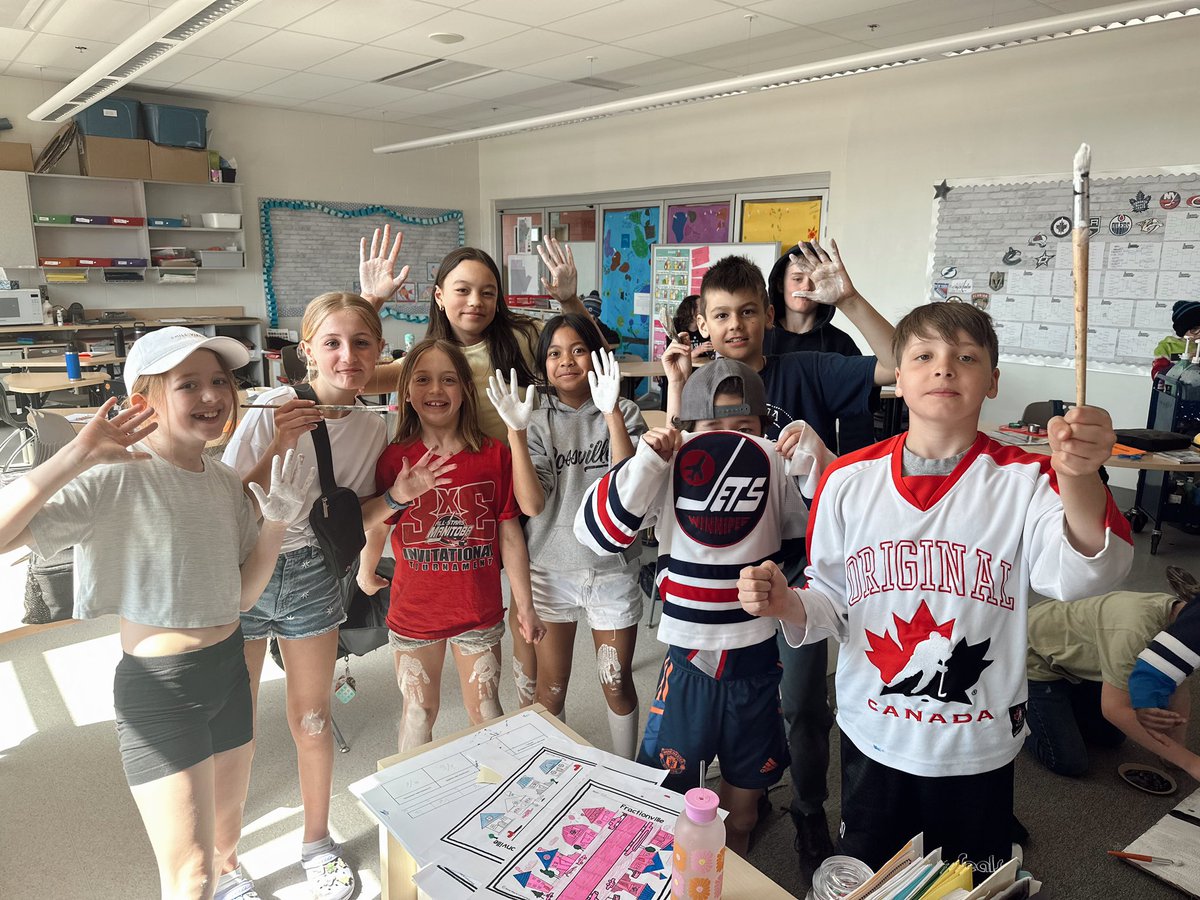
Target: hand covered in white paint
507	399
605	380
377	276
831	281
806	454
559	259
284	499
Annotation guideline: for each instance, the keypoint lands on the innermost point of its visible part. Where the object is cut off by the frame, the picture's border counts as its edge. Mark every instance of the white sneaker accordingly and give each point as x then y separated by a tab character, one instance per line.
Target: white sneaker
239	888
328	875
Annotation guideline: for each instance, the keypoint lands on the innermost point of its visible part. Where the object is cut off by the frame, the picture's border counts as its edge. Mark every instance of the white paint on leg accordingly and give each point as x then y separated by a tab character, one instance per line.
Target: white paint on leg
412	678
485	675
416	725
525	685
608	663
312	723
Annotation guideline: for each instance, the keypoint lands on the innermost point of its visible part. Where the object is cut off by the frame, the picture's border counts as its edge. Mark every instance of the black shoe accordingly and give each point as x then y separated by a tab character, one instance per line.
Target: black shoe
813	845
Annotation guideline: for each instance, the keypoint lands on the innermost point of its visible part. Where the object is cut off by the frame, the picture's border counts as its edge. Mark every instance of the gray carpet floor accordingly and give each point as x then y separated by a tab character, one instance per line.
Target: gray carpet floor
70	829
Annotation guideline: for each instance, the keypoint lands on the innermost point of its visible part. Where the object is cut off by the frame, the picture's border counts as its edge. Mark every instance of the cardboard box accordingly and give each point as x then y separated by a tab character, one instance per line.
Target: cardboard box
16	157
105	157
178	164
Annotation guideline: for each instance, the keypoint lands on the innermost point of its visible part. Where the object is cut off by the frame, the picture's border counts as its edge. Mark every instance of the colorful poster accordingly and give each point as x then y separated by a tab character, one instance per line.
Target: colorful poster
625	270
698	223
786	221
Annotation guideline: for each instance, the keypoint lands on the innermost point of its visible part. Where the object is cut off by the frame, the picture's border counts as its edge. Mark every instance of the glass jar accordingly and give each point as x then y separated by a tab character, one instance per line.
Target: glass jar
837	877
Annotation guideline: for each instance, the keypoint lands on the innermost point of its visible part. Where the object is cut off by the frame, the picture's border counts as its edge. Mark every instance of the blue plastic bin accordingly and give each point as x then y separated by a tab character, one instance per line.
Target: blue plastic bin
113	117
176	126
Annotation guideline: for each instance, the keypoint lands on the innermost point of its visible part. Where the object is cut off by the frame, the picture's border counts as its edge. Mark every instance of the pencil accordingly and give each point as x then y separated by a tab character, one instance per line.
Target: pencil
1142	857
348	407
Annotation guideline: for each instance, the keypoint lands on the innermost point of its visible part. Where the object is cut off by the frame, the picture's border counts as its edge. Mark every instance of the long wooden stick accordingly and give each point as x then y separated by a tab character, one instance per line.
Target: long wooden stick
1081	182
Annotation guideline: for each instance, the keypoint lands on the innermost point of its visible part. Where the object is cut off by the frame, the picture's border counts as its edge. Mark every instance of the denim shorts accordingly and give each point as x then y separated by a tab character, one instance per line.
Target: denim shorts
176	711
302	599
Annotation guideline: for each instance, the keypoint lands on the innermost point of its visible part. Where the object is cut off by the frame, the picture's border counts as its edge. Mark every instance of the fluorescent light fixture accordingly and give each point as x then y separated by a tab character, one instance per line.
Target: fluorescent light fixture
36	13
1093	21
158	39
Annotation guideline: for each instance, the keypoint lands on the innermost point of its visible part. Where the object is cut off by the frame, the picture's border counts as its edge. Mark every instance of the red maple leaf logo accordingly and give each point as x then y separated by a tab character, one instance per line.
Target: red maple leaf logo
889	655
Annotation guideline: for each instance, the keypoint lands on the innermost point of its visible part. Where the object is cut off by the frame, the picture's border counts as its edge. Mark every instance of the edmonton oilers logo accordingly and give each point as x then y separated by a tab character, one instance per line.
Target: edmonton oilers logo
721	485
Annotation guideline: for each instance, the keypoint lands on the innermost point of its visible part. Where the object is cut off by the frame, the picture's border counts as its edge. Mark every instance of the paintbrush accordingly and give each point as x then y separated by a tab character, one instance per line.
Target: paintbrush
333	407
1081	183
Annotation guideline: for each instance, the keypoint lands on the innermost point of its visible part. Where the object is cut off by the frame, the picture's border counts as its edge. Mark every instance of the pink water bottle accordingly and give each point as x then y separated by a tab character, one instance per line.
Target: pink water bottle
699	862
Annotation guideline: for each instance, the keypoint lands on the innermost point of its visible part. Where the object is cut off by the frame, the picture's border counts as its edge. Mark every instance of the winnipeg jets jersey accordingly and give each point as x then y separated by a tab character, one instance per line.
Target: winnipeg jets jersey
721	503
925	580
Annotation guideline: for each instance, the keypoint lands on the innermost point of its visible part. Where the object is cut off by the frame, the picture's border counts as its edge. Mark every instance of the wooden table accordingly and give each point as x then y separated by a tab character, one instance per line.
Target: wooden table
99	361
396	867
38	384
1151	462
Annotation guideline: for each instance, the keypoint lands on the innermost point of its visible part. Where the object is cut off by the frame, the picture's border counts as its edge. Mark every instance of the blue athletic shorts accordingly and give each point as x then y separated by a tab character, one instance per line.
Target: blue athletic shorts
737	717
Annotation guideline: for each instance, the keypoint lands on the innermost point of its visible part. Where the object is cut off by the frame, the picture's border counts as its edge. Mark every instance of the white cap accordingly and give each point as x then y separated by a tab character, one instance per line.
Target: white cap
160	351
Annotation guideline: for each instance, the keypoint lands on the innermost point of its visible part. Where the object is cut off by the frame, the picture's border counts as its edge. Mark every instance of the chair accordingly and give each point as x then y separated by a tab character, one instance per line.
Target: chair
1043	411
21	431
49	582
51	433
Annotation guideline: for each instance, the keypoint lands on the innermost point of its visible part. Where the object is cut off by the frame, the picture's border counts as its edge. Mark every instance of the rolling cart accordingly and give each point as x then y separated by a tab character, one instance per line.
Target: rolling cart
1170	496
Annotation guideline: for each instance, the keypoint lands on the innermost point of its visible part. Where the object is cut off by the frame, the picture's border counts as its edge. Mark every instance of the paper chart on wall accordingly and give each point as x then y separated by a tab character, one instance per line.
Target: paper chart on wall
611	837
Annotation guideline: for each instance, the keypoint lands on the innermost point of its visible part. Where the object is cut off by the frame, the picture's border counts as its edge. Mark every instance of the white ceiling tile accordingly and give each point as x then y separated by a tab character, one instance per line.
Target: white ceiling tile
106	20
563	94
372	95
626	18
533	12
369	63
55	50
176	68
52	75
819	10
431	102
227	39
476	31
307	86
436	123
290	50
662	71
773	51
362	22
12	40
1070	6
281	13
605	58
261	99
947	29
917	15
239	76
497	85
712	31
330	109
533	43
205	93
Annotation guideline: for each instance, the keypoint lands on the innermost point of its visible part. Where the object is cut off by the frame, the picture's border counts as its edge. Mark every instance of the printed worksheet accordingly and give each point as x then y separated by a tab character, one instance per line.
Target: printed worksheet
612	837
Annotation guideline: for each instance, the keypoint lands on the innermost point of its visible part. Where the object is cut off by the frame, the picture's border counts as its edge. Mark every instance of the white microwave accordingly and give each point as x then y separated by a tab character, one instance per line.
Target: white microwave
20	307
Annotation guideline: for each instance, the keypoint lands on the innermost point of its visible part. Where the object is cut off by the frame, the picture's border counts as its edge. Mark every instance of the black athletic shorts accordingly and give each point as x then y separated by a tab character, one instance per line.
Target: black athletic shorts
176	711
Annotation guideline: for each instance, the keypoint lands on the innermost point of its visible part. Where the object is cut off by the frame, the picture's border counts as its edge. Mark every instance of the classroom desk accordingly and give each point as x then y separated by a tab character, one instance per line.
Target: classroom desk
38	384
100	361
396	867
1151	461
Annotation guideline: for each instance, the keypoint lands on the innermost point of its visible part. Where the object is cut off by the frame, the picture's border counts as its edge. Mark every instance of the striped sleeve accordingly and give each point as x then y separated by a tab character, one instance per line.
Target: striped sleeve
623	502
1171	657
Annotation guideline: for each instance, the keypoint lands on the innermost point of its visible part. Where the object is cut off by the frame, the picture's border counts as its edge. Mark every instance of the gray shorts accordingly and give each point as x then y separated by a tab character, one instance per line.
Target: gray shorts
468	643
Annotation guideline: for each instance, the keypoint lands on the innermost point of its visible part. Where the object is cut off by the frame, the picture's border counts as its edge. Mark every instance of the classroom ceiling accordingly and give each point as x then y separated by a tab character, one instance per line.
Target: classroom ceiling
518	58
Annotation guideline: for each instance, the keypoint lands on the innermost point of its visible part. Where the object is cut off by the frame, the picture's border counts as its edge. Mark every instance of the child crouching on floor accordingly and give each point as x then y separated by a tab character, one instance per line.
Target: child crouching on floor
721	497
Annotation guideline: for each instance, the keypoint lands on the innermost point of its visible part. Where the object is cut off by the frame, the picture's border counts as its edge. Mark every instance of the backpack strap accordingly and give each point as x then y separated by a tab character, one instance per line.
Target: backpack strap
320	439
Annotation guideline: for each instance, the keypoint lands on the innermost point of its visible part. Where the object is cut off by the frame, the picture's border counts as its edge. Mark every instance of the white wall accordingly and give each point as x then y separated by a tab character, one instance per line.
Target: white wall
886	139
280	153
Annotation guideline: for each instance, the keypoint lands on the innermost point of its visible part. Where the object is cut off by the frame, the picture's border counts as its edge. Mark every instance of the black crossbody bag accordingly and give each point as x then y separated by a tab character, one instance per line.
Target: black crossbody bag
336	516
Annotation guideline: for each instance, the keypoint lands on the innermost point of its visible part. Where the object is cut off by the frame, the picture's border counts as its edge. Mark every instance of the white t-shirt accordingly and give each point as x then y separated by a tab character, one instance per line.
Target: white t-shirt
355	443
155	544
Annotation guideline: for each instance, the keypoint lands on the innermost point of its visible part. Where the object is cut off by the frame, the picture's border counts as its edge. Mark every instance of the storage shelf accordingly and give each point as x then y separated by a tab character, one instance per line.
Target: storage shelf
91	227
188	228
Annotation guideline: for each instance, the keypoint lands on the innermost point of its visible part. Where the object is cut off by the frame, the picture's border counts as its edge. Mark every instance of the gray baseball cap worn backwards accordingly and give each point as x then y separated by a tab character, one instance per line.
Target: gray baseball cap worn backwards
699	401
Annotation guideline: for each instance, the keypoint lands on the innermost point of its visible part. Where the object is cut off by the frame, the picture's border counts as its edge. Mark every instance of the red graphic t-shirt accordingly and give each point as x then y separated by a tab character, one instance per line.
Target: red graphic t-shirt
447	543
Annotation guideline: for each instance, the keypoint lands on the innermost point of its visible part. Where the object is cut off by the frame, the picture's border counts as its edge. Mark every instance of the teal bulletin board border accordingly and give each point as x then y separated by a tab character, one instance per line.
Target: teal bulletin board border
265	207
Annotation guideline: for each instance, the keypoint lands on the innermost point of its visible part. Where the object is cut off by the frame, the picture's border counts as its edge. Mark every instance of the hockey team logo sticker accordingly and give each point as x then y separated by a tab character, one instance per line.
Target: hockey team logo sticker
923	660
721	488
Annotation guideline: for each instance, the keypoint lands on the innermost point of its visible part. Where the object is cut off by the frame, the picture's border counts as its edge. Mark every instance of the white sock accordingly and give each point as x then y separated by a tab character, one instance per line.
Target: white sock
624	731
314	848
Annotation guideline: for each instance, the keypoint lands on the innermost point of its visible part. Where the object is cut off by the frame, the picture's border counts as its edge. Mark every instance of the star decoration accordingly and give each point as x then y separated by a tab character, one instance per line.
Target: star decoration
940	191
1040	262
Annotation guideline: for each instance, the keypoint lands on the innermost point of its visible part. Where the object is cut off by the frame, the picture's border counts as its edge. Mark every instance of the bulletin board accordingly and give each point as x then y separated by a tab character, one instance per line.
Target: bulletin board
1006	247
786	221
311	246
627	238
678	270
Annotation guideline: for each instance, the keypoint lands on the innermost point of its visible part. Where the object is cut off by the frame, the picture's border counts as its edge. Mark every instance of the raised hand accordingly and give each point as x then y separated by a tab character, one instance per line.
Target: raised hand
294	418
663	441
677	358
425	474
104	440
831	282
515	412
284	500
1081	441
564	279
605	380
377	276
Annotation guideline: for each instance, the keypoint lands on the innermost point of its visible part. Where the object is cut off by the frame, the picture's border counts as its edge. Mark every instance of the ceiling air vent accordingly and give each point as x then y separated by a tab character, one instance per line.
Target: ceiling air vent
437	73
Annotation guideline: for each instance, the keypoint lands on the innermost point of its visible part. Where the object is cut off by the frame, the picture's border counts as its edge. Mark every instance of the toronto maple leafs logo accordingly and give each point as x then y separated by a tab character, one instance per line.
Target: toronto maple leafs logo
924	660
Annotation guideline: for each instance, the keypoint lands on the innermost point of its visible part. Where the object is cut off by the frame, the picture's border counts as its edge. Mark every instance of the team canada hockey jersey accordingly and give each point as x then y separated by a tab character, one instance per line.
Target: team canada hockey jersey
724	501
925	580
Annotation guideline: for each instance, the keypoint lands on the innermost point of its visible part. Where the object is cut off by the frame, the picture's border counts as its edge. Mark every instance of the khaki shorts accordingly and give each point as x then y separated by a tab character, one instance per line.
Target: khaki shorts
469	643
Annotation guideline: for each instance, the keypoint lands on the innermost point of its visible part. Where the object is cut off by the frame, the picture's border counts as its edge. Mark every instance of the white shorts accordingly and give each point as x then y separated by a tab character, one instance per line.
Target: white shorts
610	600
